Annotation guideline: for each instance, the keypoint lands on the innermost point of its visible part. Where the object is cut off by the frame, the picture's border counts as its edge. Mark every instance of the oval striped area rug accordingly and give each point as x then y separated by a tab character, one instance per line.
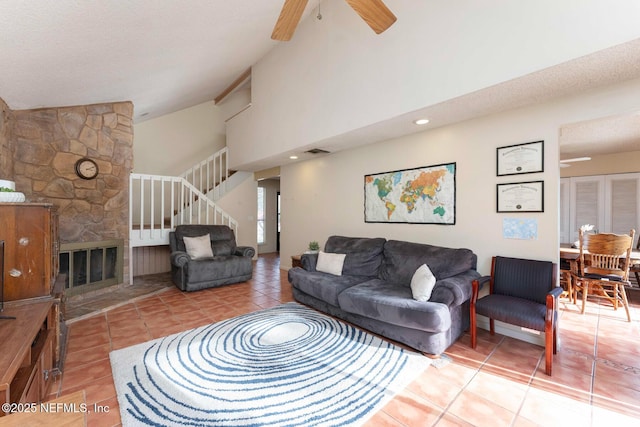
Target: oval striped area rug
284	366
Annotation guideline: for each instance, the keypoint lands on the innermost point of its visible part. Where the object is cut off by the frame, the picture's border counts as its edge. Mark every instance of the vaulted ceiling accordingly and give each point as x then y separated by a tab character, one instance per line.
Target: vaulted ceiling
161	55
169	55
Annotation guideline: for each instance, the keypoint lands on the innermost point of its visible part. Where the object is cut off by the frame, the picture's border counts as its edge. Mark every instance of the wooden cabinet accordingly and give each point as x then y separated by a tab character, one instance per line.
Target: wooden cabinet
27	360
30	234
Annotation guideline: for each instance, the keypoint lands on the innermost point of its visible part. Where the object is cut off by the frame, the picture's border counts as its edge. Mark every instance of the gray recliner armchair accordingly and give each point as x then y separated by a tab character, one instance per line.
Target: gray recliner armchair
229	263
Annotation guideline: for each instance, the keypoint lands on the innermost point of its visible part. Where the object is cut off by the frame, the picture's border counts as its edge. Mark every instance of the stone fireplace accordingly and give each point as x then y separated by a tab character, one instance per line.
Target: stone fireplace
44	146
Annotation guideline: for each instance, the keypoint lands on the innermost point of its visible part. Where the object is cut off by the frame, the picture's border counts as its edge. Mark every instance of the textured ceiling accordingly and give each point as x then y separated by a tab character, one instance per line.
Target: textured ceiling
165	56
599	136
161	55
605	135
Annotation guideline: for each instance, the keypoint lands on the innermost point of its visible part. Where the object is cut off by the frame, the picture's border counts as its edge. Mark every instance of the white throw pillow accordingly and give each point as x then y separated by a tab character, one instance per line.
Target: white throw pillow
330	263
422	283
198	247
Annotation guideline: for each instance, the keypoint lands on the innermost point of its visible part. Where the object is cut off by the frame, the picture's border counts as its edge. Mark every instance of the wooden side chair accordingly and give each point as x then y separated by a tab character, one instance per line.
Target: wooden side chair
522	292
635	267
603	268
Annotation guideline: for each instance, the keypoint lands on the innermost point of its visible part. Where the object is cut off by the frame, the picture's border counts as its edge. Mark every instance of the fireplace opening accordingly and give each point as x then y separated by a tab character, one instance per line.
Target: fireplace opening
90	266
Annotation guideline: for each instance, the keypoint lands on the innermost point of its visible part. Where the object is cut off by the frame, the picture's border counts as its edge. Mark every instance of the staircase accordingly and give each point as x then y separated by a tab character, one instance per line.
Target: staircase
160	203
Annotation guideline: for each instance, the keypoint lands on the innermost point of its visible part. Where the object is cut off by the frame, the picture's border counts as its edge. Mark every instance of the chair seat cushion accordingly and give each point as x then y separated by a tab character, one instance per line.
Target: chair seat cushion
513	310
611	277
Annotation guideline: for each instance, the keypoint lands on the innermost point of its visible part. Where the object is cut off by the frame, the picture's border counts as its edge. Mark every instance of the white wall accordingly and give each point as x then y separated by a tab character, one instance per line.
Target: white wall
241	203
171	144
336	75
272	186
325	196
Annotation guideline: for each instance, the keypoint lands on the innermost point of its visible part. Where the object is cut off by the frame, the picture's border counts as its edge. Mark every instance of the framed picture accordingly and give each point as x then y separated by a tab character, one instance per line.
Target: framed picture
520	197
425	195
520	158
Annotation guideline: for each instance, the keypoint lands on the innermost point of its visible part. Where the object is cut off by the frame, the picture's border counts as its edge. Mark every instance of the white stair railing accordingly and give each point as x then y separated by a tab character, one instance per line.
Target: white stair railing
210	175
159	203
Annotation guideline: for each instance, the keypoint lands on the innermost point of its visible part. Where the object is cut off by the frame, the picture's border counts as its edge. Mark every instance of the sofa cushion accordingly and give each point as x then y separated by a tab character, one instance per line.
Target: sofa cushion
223	247
218	267
364	255
223	239
386	302
323	286
402	259
422	283
330	263
198	247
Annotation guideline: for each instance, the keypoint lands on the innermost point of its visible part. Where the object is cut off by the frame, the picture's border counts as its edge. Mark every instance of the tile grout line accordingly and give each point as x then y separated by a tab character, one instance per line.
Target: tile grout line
484	362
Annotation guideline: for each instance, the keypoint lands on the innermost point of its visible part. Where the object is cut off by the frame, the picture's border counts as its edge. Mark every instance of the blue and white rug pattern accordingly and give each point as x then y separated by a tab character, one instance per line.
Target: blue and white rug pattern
284	366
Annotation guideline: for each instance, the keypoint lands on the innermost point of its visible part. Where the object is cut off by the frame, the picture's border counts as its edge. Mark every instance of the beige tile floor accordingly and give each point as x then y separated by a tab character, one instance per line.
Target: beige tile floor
595	382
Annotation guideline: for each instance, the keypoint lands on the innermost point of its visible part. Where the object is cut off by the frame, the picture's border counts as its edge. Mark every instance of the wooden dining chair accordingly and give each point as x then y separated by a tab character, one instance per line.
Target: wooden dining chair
635	266
603	268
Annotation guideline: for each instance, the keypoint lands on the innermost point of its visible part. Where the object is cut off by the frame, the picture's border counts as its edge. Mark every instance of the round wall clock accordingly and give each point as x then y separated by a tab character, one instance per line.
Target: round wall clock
86	168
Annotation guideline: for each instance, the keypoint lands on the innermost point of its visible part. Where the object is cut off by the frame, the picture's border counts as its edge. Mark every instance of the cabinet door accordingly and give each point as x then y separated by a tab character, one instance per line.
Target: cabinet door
46	366
32	390
27	264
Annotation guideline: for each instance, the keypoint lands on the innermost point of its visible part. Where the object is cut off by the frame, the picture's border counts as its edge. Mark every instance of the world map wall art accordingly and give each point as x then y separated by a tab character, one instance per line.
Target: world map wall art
425	195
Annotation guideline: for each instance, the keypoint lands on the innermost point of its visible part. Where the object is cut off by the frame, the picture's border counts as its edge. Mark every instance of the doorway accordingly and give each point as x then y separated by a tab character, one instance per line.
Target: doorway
278	221
268	216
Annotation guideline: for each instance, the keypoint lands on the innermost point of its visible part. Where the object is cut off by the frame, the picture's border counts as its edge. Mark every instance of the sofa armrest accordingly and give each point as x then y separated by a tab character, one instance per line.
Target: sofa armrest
245	251
454	290
179	258
309	261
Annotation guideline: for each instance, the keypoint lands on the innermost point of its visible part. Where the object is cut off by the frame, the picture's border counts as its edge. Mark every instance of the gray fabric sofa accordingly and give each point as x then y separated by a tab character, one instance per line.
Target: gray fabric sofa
229	264
374	290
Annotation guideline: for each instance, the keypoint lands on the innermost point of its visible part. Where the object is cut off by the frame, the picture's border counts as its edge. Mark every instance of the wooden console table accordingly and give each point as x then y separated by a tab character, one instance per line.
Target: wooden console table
295	261
28	351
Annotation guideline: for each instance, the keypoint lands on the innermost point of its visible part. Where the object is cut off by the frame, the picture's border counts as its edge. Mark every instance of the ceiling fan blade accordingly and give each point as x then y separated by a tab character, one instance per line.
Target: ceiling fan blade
288	19
374	12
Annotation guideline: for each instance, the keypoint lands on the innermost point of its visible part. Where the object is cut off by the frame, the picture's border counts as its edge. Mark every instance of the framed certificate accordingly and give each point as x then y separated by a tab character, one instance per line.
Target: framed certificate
520	197
520	158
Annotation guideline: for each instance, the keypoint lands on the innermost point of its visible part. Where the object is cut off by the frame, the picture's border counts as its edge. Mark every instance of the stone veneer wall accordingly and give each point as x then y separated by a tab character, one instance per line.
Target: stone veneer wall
48	142
6	157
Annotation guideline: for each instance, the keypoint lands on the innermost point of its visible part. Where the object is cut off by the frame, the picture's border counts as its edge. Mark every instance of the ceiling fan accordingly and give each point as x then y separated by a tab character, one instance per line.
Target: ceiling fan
374	12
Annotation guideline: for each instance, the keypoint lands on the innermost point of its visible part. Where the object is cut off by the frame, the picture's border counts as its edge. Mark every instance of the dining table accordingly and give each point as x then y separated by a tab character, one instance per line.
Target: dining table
570	253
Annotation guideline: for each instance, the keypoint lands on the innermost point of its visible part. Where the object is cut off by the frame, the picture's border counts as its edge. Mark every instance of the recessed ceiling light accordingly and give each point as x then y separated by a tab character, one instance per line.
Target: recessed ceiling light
293	157
421	121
